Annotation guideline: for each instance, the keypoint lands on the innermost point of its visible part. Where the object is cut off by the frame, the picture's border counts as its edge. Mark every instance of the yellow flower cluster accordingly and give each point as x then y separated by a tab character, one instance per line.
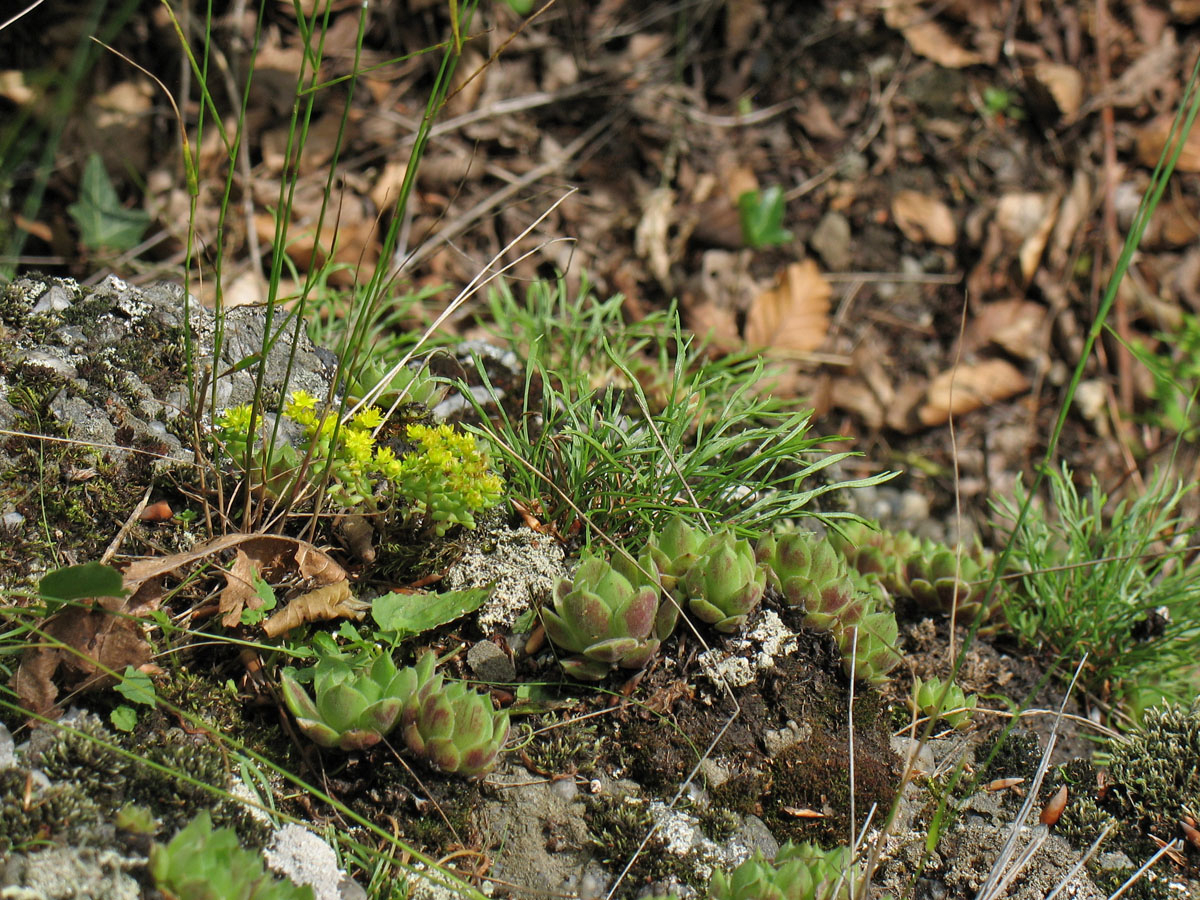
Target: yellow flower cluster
445	479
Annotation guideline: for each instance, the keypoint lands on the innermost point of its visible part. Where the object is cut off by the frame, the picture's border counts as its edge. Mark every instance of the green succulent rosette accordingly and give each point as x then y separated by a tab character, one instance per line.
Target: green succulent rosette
938	579
814	578
455	729
674	550
355	705
869	646
725	583
879	555
609	614
955	710
799	872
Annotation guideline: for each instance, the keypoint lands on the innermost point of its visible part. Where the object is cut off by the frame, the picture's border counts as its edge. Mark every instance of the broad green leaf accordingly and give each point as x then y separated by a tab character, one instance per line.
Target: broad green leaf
103	222
411	614
79	582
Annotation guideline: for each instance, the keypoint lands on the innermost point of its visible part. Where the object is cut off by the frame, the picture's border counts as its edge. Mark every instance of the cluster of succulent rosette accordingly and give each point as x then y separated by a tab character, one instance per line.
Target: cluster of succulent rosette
445	479
955	708
617	613
799	872
456	730
936	578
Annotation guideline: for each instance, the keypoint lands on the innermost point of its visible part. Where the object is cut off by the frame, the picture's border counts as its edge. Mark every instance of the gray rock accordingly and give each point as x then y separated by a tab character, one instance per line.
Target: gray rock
831	241
490	663
298	854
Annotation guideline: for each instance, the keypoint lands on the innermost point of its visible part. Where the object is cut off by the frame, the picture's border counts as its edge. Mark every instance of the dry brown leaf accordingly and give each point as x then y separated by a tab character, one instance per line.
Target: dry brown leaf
1063	83
334	601
855	395
742	18
1152	138
1071	215
1029	218
968	387
650	239
714	325
739	180
141	578
239	589
100	637
923	218
927	38
794	314
1012	324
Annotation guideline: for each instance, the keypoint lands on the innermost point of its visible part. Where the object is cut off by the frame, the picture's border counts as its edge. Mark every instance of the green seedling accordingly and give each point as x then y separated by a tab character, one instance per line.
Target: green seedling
761	213
104	224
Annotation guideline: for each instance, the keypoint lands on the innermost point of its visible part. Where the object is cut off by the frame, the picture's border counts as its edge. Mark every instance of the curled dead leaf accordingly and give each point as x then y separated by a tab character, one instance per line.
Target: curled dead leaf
1002	784
793	315
968	387
1152	141
334	601
923	218
1063	83
928	38
1053	809
81	644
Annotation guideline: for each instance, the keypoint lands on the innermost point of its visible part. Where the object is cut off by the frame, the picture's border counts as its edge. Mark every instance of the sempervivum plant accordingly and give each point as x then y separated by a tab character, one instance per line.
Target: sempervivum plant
939	579
355	706
674	550
609	614
955	710
813	577
868	646
455	729
800	872
877	554
724	583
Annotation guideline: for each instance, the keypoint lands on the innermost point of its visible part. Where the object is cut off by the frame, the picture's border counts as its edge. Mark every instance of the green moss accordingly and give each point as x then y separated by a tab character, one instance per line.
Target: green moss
616	828
32	815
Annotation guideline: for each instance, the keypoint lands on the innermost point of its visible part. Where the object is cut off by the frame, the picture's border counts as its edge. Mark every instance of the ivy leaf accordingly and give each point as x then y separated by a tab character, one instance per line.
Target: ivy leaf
123	718
103	222
136	687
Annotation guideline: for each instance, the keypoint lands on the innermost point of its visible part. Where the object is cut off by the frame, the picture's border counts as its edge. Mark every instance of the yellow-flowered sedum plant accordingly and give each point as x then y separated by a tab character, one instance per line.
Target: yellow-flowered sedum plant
445	479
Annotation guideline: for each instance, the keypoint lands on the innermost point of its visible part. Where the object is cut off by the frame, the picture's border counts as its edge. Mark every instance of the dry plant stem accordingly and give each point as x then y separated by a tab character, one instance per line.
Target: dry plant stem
882	105
1081	862
26	11
1145	867
116	542
1000	874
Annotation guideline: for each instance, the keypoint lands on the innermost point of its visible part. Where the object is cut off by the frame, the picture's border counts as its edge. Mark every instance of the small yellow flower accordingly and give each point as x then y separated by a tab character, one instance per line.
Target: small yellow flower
368	417
359	445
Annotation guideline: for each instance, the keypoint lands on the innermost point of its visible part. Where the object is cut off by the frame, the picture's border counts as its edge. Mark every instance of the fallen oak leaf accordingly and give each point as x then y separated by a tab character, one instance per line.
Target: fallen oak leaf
793	315
333	601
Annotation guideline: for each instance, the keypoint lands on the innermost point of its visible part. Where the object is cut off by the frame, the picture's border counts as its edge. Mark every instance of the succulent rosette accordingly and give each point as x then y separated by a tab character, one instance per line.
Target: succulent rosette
939	579
725	583
879	555
355	705
609	614
955	710
455	729
812	577
869	646
674	550
799	872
